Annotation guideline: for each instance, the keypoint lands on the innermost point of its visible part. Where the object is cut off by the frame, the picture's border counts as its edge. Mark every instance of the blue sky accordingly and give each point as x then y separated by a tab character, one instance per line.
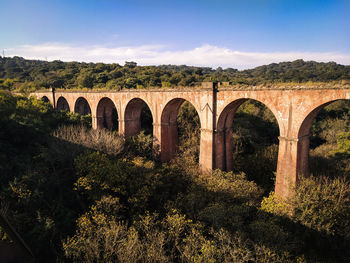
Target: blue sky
227	33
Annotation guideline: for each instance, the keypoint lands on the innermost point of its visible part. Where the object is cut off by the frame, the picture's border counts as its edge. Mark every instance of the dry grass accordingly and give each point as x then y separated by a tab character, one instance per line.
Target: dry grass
101	140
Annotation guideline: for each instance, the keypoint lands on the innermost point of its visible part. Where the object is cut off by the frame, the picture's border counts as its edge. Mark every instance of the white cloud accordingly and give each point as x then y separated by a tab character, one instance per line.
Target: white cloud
205	55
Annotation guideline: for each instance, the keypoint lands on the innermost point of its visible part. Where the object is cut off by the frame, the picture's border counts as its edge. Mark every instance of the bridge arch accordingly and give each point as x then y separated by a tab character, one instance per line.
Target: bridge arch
106	114
132	116
82	106
224	131
303	146
169	130
45	99
62	104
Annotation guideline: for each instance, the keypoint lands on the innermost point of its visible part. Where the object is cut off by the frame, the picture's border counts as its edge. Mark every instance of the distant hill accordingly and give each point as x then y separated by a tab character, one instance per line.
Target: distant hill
20	74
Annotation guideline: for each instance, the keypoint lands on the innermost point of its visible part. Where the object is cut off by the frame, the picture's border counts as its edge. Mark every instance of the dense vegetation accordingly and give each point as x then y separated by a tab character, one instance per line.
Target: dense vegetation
89	196
80	195
28	75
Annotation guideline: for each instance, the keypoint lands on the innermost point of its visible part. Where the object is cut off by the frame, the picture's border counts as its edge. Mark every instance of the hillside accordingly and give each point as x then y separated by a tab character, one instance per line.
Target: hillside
20	74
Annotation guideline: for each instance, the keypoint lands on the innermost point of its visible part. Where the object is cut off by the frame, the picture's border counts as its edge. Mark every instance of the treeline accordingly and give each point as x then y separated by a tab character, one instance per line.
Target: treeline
19	74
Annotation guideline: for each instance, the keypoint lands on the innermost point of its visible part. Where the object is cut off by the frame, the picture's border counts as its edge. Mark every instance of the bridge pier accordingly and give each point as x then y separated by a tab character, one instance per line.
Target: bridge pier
94	121
121	127
157	130
292	164
206	150
220	161
169	140
224	149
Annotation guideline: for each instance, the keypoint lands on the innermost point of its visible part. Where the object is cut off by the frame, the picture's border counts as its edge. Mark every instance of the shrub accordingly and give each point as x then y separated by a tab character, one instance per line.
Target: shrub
188	124
98	175
7	105
274	205
140	145
323	204
230	186
100	140
98	235
343	145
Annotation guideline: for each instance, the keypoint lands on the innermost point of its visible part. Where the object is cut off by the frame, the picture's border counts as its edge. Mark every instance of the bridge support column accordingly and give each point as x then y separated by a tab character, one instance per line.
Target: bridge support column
223	150
94	122
157	129
220	161
206	152
169	141
121	127
293	162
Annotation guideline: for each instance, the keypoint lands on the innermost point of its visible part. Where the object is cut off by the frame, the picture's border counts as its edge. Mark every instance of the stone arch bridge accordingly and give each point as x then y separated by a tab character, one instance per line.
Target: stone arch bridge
294	108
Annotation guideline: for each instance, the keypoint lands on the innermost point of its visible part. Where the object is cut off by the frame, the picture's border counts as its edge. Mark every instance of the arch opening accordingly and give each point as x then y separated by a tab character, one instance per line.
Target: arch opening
107	115
62	104
323	137
138	117
82	106
180	130
45	99
246	141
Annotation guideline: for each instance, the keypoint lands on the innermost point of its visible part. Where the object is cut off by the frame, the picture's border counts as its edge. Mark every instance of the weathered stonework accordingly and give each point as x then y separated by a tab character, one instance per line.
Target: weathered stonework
294	108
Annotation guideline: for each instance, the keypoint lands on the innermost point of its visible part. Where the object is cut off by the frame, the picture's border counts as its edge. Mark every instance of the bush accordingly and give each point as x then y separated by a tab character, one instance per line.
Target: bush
343	145
323	204
274	205
98	234
140	145
100	140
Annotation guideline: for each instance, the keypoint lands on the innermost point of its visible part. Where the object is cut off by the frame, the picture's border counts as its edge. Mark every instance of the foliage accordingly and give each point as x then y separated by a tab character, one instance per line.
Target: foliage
273	204
255	144
324	205
328	142
188	129
100	140
332	120
98	175
29	75
99	234
101	237
343	144
80	195
7	105
36	178
141	145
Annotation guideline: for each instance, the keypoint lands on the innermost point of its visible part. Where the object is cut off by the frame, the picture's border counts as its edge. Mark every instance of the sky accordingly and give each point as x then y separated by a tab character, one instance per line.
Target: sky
228	33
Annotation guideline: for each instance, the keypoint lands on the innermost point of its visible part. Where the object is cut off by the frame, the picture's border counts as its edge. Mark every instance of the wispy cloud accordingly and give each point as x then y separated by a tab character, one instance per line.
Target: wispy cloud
205	55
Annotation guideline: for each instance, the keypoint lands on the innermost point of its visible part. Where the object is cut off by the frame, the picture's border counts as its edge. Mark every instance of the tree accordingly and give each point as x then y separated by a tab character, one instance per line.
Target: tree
85	80
130	64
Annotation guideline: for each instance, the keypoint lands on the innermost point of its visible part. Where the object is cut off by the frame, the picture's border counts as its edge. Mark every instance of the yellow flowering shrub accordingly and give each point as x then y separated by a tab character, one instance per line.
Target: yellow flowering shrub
274	205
